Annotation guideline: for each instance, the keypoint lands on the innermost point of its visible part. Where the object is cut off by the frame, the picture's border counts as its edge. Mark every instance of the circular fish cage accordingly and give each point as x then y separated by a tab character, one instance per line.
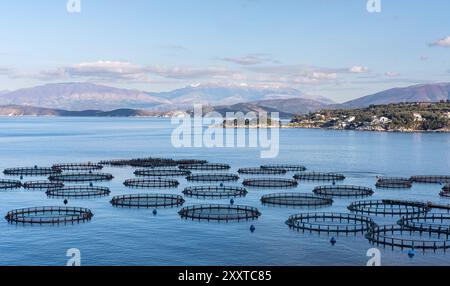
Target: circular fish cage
147	201
216	177
78	167
151	183
398	236
31	171
82	177
388	207
205	167
42	185
318	176
393	183
436	223
49	215
270	183
190	162
295	200
214	192
431	179
445	191
343	191
78	192
161	173
261	171
140	162
226	213
10	184
287	167
330	222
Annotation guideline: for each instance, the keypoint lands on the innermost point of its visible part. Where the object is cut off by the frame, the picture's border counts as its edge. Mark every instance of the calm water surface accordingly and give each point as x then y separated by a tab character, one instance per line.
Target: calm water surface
137	237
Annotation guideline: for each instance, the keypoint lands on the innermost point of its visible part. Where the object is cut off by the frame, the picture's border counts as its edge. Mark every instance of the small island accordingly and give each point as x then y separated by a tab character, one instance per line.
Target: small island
400	117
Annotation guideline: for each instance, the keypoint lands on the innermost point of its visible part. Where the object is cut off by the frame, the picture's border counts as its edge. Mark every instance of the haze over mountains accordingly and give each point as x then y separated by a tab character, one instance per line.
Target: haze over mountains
68	99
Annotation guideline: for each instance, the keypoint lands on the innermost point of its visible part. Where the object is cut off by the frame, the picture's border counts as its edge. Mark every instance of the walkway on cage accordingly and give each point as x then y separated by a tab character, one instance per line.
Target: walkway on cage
6	184
287	167
261	171
190	162
330	222
388	207
431	179
78	192
343	191
151	183
436	223
225	213
78	166
148	201
42	185
49	215
393	235
214	177
214	192
205	167
270	183
31	171
319	176
141	162
81	177
161	173
393	183
295	200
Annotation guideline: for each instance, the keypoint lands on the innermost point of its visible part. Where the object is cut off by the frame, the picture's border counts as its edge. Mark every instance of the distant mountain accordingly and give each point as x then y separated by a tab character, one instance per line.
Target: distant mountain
415	93
17	110
87	96
293	105
245	108
80	96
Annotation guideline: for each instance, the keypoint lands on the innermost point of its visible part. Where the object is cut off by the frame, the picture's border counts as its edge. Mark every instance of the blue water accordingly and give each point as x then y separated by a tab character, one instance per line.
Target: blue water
137	237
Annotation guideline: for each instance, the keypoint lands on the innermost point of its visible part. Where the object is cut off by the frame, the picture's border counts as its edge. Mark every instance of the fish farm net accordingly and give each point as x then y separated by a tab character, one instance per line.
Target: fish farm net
261	171
296	200
343	191
388	207
190	162
78	192
288	167
151	183
81	177
78	167
42	185
226	213
436	223
212	177
161	173
330	222
317	176
147	201
393	183
271	183
398	236
445	191
33	171
49	215
205	167
214	192
431	179
10	184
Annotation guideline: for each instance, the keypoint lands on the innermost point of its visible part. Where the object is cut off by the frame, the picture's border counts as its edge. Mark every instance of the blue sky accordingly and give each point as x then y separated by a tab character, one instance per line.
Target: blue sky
333	48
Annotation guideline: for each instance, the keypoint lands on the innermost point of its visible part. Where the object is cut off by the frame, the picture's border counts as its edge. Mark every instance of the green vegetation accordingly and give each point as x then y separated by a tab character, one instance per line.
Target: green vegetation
405	117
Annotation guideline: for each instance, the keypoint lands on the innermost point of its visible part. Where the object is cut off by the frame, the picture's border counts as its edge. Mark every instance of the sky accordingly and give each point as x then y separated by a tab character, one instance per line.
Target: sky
331	48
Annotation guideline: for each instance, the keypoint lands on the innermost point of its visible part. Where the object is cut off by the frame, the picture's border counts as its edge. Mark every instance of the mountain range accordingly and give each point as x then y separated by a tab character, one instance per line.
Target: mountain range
87	99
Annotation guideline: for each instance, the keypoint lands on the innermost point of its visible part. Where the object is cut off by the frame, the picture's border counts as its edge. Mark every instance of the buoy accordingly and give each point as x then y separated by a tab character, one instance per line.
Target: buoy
35	166
411	253
91	185
65	201
155	212
21	177
333	240
334	183
221	184
252	228
90	171
232	201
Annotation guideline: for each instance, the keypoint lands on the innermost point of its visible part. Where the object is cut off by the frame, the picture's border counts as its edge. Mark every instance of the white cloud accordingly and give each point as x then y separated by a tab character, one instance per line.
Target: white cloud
391	74
250	59
444	42
358	69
